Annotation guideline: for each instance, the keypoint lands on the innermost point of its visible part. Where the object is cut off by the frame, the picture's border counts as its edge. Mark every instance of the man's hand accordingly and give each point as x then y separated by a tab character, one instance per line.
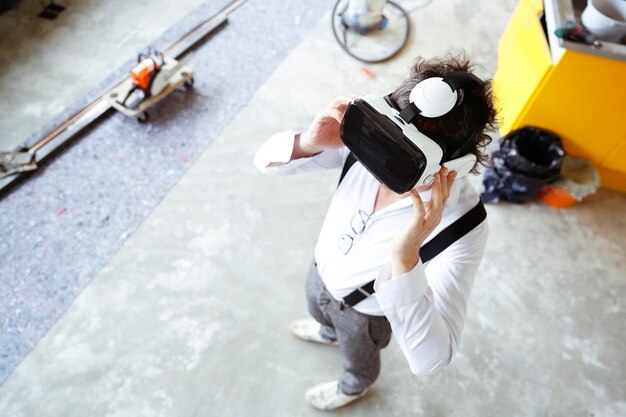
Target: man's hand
406	244
324	130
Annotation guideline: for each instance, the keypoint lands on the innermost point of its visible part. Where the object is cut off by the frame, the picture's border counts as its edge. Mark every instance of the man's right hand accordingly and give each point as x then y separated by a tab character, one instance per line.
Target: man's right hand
323	132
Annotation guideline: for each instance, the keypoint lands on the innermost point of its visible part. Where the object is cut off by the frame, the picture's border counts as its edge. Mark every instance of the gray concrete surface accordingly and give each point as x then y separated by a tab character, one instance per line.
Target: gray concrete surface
46	65
190	317
61	225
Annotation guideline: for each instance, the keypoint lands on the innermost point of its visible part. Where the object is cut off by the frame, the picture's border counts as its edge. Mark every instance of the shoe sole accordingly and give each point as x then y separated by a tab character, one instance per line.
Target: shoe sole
307	339
319	342
310	394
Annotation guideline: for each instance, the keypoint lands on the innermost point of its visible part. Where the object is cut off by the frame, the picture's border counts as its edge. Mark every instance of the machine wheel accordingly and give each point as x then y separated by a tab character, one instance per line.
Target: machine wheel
143	117
189	83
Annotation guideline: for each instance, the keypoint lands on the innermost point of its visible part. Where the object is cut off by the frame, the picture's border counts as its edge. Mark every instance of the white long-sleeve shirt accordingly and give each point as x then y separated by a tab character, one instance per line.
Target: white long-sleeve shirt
426	306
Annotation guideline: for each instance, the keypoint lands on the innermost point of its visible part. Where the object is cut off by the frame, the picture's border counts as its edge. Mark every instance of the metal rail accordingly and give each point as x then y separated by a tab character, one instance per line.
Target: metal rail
94	110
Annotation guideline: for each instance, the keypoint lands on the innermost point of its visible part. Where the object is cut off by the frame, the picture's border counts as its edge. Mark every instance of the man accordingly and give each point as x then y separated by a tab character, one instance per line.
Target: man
370	231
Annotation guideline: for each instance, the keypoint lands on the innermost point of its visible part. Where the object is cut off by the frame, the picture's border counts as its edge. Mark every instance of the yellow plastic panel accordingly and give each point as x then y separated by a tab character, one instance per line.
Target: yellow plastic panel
583	102
535	5
617	159
613	179
523	62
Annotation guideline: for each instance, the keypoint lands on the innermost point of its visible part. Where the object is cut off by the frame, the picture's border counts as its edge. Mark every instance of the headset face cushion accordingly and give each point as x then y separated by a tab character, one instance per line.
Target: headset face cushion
380	146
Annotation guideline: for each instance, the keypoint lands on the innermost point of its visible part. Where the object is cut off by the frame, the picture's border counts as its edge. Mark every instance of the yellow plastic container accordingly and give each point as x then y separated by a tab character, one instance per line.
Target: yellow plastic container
580	97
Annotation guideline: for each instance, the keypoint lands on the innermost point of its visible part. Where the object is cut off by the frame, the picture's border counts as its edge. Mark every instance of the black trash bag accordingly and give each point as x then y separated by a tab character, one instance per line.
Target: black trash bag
527	160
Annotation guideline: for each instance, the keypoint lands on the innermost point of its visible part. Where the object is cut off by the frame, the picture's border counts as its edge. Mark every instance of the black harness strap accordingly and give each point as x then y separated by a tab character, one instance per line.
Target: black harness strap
350	160
461	226
455	231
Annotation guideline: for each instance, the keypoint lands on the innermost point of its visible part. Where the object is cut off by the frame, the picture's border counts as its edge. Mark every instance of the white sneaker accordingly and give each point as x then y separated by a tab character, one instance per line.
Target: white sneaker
328	396
308	329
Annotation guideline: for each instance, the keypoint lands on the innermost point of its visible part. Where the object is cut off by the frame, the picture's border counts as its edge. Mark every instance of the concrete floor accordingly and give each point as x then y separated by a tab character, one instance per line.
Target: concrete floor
190	317
46	65
58	233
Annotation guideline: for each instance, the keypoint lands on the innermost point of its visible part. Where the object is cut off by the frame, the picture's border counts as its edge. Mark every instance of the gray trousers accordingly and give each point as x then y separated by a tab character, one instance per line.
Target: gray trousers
361	336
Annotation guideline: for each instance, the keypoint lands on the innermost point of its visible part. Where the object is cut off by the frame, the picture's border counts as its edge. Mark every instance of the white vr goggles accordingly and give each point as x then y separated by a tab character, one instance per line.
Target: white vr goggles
389	145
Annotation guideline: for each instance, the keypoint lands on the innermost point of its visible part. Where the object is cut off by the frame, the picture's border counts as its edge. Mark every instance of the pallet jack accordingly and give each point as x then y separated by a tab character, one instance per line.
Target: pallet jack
153	78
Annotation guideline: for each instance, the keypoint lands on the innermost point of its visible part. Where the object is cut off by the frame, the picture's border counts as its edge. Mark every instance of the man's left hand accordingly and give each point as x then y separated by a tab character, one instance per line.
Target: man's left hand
406	244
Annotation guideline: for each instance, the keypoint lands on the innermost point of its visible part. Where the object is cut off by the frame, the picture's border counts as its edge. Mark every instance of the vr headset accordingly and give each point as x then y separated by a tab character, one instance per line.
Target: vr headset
388	143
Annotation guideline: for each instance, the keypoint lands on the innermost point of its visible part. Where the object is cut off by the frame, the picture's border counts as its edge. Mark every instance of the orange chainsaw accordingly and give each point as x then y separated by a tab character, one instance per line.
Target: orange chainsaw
143	75
150	76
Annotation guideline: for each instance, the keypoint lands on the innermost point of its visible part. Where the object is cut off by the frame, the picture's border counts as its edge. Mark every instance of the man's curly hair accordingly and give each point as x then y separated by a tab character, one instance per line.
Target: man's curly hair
470	119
